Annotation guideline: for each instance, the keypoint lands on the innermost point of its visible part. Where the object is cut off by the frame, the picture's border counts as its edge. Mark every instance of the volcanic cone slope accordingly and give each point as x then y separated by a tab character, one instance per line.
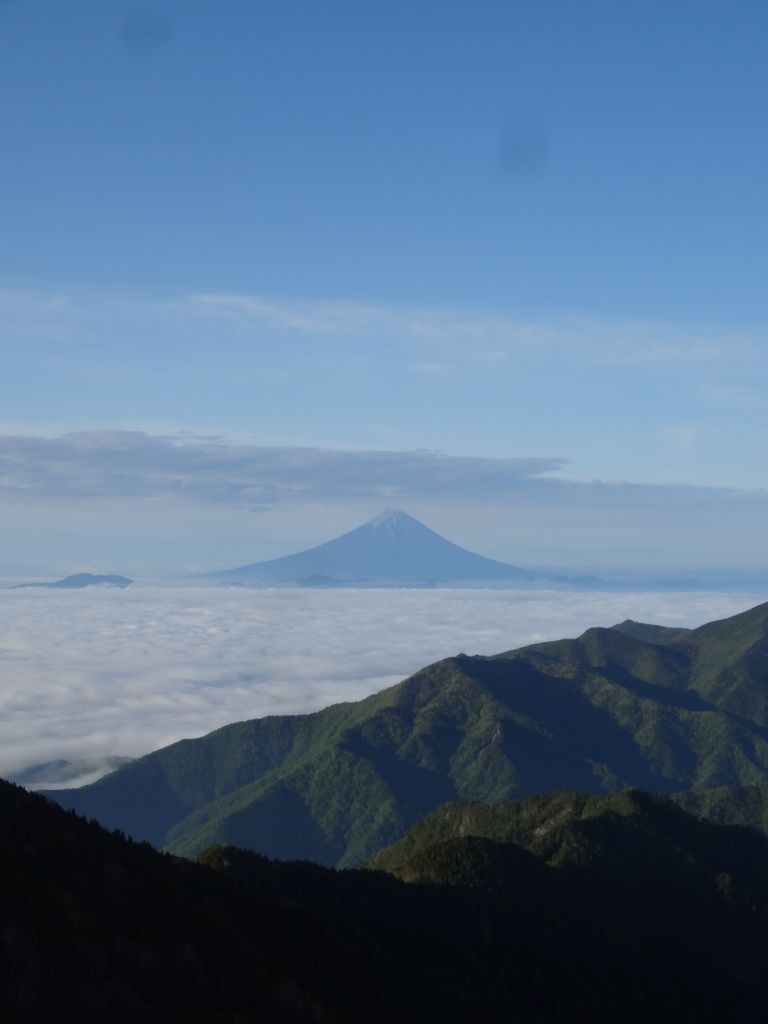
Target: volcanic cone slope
392	548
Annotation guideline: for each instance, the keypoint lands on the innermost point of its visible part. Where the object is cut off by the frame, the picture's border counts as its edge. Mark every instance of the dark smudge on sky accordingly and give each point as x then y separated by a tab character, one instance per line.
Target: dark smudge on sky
146	29
524	149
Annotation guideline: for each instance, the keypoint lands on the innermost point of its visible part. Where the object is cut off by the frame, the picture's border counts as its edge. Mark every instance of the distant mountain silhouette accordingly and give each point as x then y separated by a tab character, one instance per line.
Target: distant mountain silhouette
391	548
80	580
61	773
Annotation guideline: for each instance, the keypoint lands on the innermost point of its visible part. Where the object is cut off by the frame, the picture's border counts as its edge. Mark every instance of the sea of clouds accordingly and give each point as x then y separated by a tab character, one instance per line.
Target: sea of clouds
99	672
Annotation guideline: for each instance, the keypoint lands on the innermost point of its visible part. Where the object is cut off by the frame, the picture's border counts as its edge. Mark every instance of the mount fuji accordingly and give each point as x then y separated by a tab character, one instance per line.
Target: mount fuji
391	548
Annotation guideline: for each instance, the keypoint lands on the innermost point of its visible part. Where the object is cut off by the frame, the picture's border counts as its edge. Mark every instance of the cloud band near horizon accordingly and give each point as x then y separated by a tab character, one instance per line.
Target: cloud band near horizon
124	491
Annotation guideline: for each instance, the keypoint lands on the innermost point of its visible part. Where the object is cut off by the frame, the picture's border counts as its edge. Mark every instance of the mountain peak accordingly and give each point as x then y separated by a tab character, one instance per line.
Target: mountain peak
389	514
393	547
392	519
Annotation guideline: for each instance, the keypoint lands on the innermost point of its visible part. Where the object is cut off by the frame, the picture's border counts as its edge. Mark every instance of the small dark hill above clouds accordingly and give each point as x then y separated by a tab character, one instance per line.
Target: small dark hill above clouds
686	710
60	773
570	909
80	580
391	548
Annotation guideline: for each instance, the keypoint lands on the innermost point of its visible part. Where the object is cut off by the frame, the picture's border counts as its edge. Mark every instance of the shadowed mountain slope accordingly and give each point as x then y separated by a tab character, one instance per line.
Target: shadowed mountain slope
729	805
95	928
567	908
599	713
391	548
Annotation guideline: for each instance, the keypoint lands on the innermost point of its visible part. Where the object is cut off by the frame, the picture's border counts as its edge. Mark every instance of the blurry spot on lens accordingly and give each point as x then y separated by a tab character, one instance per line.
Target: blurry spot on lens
145	29
523	150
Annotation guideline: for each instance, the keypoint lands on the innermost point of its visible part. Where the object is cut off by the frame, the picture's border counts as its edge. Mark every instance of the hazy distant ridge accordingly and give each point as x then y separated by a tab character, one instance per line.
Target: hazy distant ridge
81	580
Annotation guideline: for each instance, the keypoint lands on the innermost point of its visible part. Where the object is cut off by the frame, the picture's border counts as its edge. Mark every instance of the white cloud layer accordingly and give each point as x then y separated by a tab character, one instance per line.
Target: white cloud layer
102	672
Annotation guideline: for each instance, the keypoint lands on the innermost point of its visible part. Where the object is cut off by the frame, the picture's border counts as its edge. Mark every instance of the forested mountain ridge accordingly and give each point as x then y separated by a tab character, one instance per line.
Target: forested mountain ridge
624	836
635	705
565	908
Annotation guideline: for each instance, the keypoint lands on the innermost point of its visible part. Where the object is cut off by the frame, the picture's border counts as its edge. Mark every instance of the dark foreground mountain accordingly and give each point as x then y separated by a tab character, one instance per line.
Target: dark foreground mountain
392	548
81	580
636	705
564	909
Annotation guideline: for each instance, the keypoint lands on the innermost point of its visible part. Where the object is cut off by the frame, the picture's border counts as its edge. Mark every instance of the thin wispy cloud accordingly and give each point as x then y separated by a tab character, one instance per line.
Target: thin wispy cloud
580	336
377	378
490	335
735	394
681	434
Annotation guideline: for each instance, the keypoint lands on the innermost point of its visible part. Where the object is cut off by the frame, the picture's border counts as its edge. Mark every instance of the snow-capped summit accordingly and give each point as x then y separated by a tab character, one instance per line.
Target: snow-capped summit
394	521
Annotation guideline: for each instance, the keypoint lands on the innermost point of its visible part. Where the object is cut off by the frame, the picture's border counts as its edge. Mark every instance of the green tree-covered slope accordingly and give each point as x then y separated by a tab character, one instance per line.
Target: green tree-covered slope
637	705
630	834
729	805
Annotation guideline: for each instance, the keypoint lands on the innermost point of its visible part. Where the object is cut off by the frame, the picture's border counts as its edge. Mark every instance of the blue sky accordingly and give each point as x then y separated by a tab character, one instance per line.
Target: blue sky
518	246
